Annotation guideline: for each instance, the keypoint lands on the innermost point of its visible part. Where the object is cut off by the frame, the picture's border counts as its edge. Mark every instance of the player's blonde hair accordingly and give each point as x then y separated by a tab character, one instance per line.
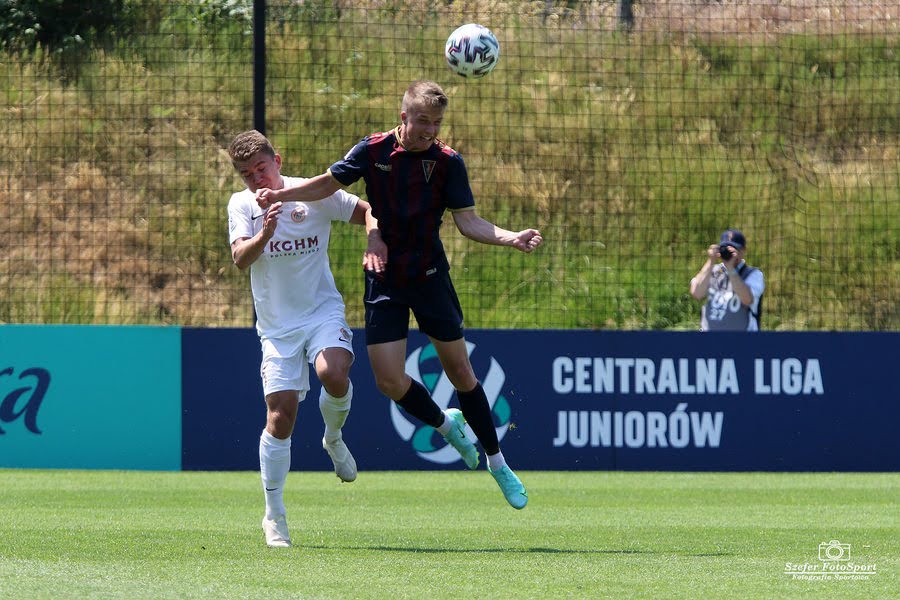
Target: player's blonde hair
424	93
248	144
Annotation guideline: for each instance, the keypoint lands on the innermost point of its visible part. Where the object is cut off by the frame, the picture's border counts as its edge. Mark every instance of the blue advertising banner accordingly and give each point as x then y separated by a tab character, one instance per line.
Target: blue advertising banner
566	400
89	397
223	409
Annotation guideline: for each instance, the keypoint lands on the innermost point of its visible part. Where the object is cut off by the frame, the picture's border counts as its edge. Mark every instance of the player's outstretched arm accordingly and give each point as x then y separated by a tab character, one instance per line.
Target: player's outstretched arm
317	188
376	254
475	228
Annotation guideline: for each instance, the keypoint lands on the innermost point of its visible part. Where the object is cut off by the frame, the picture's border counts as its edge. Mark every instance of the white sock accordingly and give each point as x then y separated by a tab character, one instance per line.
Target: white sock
334	412
496	461
274	464
444	427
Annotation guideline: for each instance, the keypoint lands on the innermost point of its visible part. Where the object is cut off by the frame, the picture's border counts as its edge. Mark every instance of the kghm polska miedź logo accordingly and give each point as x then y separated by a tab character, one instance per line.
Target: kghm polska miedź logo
423	366
835	563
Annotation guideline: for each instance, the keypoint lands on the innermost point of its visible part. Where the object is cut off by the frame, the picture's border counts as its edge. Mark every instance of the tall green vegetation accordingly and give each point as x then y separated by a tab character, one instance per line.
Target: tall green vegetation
630	152
64	32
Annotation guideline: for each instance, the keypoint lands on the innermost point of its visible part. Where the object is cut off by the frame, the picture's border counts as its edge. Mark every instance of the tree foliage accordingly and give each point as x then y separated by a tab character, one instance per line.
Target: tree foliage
66	31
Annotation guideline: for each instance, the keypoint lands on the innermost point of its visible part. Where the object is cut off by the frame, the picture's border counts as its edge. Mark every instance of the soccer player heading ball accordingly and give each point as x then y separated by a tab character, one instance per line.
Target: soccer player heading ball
412	178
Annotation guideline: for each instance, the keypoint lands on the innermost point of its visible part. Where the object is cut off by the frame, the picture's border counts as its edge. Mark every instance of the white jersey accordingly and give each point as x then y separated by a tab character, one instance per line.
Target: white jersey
292	278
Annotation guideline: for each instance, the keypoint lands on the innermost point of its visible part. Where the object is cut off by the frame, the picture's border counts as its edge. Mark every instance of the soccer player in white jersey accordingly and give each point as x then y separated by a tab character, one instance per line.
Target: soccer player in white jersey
300	313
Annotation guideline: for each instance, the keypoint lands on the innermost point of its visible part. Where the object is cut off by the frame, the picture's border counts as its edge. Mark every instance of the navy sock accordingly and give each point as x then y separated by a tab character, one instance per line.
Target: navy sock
418	402
477	411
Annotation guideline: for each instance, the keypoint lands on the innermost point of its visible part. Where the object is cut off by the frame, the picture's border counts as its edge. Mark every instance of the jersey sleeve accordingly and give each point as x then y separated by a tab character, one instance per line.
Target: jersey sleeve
458	193
240	218
352	167
341	205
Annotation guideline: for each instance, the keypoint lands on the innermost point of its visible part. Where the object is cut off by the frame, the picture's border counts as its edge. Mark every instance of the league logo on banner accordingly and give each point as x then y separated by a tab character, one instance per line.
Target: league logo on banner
423	366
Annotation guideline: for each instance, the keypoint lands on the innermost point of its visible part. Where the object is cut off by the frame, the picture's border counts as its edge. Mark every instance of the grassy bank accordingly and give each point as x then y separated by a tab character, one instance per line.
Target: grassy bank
630	152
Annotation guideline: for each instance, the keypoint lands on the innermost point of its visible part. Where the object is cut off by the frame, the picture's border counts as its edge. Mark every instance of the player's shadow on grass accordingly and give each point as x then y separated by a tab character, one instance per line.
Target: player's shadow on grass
535	550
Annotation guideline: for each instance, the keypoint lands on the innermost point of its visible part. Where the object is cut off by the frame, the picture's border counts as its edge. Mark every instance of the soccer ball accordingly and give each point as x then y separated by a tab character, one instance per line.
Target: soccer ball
472	51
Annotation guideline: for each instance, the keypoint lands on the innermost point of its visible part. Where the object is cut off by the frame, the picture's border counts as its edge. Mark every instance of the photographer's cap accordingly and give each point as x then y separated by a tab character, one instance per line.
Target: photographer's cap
733	237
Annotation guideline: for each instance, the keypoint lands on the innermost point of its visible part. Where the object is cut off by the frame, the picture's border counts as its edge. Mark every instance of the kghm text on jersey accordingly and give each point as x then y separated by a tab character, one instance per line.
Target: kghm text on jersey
311	243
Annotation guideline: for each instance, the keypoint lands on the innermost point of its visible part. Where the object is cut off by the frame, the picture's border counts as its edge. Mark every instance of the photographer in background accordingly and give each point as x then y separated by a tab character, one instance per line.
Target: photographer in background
733	288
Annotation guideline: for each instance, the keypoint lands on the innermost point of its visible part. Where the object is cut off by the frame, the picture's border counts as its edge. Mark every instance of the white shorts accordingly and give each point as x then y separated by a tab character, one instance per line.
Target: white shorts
286	360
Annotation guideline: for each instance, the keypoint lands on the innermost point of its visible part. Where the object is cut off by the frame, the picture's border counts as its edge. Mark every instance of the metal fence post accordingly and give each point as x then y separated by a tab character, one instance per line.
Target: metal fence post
259	65
625	14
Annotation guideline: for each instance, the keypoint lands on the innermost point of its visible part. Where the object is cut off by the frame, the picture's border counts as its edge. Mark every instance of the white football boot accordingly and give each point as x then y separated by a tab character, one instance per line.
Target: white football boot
276	531
344	465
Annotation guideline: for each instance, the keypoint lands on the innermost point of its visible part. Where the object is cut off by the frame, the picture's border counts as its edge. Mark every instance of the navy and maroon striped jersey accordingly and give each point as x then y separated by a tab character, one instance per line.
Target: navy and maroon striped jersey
409	192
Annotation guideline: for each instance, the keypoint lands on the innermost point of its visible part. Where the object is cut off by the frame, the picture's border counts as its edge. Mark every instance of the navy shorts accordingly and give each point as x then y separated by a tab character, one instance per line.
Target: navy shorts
434	303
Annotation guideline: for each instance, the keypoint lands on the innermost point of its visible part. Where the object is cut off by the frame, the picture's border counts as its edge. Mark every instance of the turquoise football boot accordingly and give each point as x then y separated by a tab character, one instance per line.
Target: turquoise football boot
456	437
511	486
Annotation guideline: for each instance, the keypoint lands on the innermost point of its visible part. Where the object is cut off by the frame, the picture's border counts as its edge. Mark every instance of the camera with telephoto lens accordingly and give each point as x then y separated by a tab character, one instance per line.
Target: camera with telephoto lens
725	252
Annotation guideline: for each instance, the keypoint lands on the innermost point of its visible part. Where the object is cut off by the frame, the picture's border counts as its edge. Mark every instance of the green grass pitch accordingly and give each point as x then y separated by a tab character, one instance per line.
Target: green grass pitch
439	534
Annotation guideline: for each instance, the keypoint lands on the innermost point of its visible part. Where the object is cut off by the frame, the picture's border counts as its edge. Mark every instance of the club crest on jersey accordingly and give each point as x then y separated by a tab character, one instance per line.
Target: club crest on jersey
298	215
428	167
